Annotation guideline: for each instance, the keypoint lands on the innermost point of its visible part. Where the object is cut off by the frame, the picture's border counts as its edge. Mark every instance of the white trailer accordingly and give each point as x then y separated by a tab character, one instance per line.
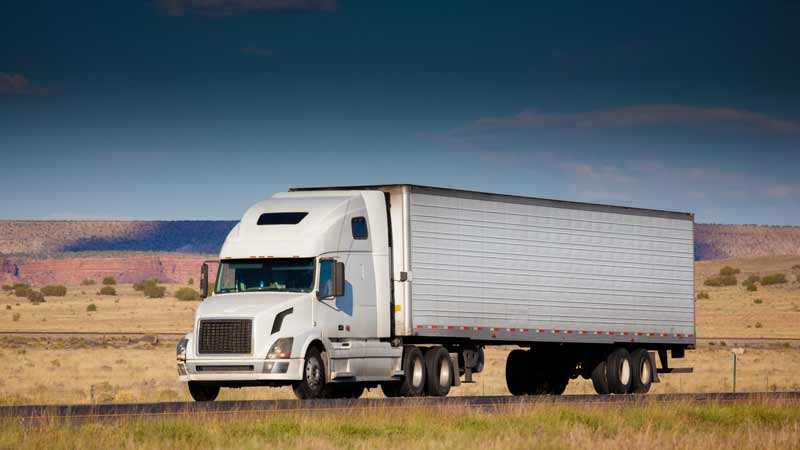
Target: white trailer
334	290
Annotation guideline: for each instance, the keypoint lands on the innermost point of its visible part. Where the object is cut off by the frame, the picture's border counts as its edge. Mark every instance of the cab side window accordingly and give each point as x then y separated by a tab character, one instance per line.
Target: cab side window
326	279
359	226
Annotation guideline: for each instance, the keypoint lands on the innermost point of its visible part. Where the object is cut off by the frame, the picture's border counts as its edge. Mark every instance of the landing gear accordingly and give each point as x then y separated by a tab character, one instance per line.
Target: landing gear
203	392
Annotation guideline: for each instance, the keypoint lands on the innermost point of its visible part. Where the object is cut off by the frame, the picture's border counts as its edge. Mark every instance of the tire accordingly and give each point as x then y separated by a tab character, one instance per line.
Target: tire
439	370
413	382
518	372
557	384
599	379
313	383
203	392
618	371
641	371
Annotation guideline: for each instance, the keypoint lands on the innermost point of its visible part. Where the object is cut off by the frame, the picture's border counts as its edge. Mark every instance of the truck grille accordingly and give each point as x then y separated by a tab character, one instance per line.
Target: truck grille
225	336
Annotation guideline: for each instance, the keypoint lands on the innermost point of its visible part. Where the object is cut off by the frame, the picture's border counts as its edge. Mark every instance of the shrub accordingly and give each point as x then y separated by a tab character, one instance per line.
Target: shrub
758	325
796	267
752	288
721	280
8	307
144	284
190	282
87	282
154	291
702	295
777	278
758	301
35	296
19	285
107	290
109	281
54	290
728	270
8	287
752	279
187	294
92	307
22	291
16	317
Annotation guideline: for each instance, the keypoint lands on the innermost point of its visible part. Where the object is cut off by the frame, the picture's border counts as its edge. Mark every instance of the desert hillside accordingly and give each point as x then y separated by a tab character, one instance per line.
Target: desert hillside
43	238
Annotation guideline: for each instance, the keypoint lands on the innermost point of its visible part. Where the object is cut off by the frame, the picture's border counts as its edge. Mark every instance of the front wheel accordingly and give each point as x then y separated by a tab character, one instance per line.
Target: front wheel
313	381
203	392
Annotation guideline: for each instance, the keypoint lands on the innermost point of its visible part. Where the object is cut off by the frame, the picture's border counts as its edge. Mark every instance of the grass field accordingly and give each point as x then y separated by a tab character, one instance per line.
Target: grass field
773	425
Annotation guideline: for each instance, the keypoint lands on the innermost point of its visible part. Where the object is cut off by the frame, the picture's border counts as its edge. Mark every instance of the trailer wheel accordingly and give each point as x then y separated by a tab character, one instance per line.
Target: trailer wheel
599	378
313	382
413	382
642	371
439	368
557	384
618	371
203	392
518	372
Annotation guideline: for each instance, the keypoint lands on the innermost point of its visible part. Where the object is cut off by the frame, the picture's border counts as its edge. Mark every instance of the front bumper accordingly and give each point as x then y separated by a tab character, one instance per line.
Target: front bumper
240	370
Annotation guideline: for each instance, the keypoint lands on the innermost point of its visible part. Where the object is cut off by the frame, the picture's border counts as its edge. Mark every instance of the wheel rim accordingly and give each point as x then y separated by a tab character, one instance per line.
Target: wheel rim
625	372
416	372
444	374
645	372
313	373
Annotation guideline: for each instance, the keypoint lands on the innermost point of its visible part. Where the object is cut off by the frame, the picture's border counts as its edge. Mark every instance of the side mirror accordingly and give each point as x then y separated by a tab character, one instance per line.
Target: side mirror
338	279
204	281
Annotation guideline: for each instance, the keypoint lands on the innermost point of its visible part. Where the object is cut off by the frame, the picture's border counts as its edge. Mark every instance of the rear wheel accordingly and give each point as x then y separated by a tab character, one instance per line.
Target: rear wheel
518	372
439	370
203	392
618	371
642	371
313	381
599	379
413	382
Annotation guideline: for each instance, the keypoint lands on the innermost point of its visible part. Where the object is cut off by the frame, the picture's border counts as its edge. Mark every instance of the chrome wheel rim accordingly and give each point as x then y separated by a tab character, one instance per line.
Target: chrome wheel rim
416	372
645	373
313	373
625	372
444	374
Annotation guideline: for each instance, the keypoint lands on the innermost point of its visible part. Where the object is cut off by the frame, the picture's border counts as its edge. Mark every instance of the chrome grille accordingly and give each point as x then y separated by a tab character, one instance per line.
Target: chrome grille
225	336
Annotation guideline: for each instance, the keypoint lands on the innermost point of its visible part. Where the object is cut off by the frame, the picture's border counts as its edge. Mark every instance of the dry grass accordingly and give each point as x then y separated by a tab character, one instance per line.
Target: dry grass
64	371
733	312
774	425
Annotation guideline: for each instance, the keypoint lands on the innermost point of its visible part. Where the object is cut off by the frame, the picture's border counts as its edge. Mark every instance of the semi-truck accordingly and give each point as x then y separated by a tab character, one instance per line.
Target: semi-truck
334	290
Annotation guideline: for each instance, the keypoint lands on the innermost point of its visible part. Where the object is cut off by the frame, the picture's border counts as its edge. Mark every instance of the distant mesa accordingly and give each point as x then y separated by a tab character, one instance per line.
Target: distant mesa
68	252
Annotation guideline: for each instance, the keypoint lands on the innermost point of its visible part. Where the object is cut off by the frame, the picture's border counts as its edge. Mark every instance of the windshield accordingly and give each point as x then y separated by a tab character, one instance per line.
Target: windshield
279	274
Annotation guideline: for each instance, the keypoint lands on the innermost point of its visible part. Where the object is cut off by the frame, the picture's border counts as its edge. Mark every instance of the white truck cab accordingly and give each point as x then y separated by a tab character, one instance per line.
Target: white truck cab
315	289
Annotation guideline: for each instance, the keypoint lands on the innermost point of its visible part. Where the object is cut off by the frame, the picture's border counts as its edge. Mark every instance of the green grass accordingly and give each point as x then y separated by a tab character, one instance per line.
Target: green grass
767	424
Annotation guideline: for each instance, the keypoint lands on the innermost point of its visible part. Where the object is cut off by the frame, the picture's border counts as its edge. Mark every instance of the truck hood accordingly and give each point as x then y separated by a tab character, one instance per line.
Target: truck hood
250	304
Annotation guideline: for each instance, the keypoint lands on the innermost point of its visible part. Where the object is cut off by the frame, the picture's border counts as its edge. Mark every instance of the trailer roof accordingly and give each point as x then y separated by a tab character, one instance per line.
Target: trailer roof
511	198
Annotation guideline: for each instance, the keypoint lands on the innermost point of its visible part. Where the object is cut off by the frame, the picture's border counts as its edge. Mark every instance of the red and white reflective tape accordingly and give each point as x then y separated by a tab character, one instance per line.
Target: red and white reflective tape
553	331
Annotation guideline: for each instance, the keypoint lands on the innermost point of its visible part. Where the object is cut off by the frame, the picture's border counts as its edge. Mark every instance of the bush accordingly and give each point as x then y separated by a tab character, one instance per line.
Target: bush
58	290
154	291
752	288
35	296
8	287
758	301
721	280
752	279
16	317
728	270
22	291
109	281
187	294
777	278
758	325
144	284
19	285
87	282
92	307
107	290
796	267
190	282
702	295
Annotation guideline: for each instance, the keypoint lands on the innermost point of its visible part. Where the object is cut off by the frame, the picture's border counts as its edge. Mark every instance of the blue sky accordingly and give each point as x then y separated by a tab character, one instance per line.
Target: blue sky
195	109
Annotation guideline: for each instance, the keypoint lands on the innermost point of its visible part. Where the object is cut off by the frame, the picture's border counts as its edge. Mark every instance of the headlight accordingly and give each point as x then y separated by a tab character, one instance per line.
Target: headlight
281	349
180	350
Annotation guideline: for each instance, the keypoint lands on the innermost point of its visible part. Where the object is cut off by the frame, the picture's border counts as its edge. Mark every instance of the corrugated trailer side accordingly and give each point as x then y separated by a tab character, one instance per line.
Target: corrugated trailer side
508	268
